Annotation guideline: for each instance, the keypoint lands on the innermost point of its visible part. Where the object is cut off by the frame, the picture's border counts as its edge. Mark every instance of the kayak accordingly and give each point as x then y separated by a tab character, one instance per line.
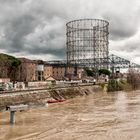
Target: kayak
55	101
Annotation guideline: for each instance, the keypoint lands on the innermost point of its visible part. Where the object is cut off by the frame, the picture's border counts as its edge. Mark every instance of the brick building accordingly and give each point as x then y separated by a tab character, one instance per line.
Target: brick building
27	70
36	70
48	71
61	71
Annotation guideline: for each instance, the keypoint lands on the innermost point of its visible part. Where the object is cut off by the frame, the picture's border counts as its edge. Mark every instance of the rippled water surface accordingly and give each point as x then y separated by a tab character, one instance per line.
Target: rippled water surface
102	116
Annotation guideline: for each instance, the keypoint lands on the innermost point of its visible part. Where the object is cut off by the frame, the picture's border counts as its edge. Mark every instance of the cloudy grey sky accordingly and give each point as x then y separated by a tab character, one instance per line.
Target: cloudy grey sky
36	28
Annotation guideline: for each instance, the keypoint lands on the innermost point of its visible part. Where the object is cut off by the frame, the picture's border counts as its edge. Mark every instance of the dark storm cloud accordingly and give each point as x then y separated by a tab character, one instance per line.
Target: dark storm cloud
54	52
37	24
123	25
17	30
37	27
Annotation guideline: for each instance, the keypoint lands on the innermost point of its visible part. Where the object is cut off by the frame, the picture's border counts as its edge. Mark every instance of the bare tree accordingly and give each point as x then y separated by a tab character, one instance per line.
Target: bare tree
133	78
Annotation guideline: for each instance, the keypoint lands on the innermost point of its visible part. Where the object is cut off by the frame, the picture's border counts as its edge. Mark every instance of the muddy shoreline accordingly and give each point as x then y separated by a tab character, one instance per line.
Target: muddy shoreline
40	97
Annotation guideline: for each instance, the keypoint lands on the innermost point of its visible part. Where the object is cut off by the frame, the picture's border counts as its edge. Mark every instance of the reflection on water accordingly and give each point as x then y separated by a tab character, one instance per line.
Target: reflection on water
121	103
102	116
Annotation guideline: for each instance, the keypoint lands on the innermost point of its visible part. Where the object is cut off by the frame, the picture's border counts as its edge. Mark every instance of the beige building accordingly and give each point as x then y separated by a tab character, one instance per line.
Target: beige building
48	71
60	72
27	70
55	70
36	70
30	70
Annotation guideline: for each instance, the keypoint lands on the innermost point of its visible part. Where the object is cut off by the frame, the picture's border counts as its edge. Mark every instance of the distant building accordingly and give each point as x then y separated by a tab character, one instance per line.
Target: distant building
48	71
60	71
37	70
51	81
26	70
55	70
4	80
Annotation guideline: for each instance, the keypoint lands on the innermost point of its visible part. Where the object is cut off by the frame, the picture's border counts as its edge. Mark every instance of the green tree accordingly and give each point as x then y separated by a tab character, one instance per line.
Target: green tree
14	63
89	72
104	71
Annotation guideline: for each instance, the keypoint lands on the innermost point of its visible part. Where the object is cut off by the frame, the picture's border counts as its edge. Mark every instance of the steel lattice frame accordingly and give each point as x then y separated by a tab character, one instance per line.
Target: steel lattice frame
87	42
119	62
114	61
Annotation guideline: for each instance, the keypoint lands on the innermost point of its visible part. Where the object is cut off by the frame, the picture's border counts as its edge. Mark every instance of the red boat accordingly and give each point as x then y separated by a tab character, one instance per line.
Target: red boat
55	101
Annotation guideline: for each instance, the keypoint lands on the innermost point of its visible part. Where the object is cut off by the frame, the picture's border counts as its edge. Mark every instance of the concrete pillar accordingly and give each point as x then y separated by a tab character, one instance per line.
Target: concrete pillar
12	117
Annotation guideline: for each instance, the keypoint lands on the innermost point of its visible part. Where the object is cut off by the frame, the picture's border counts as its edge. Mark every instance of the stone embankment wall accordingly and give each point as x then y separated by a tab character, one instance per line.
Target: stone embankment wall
40	97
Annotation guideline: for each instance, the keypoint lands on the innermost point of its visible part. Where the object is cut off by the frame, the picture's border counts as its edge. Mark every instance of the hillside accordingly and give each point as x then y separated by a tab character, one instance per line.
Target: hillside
9	60
8	65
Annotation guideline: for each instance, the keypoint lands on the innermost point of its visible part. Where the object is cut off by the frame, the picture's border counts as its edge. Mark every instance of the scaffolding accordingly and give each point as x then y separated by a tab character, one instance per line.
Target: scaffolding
87	43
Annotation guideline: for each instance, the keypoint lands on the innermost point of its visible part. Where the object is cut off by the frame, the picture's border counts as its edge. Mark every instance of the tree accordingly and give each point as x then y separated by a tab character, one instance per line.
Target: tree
89	72
133	78
104	71
9	66
14	63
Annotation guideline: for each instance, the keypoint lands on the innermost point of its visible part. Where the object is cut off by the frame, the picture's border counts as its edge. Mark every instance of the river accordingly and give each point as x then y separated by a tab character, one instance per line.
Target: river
101	116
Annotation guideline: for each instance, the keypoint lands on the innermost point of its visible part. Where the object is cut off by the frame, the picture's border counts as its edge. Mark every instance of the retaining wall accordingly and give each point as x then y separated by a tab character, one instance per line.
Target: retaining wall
40	97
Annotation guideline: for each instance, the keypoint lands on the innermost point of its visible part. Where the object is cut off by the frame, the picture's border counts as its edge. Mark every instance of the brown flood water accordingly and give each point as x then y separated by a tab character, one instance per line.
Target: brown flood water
102	116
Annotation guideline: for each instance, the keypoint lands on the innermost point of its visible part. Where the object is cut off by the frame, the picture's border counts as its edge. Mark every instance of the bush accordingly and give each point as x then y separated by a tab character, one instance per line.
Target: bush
114	85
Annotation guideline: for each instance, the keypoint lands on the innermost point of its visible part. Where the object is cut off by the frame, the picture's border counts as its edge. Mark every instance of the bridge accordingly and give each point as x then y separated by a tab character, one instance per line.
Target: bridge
112	61
118	62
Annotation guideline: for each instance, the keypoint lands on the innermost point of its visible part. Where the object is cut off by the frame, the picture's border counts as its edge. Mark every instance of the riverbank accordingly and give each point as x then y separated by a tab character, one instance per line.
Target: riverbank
40	97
